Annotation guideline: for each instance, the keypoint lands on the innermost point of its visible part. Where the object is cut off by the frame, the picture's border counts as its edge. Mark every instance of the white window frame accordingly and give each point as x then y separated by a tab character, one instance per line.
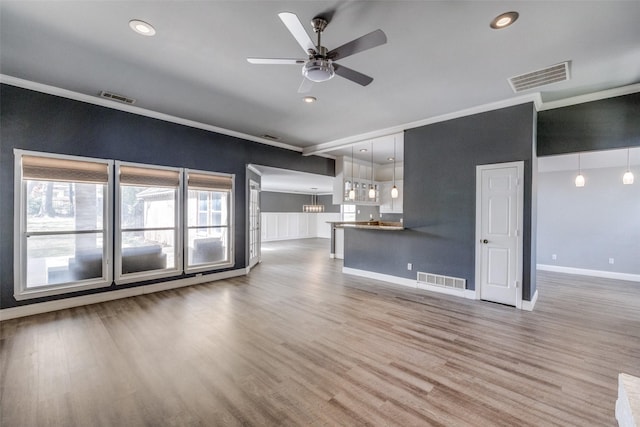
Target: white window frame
230	224
21	292
151	274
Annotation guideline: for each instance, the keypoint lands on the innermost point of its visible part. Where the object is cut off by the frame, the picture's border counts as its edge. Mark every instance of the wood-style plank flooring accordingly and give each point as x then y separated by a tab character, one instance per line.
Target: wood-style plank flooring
298	343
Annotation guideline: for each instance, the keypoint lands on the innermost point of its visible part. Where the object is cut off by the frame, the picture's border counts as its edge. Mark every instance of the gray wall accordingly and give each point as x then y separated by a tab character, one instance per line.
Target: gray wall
271	201
35	121
586	226
439	197
598	125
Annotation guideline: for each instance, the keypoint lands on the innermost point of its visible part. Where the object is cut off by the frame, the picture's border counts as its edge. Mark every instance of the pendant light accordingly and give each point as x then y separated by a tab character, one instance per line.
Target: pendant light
372	190
394	190
352	192
314	207
627	178
579	178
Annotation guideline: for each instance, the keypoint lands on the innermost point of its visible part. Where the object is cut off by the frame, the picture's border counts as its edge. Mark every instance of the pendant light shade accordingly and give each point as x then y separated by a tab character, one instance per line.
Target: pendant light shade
394	190
352	191
579	178
627	178
372	189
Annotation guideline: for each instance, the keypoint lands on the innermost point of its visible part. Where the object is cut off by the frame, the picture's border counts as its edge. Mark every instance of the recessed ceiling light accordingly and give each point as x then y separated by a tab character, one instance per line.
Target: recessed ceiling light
142	27
309	99
390	158
504	20
363	150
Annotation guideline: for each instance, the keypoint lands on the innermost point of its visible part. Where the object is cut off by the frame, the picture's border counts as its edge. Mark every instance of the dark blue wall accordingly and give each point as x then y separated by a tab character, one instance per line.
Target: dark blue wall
440	197
598	125
272	201
31	120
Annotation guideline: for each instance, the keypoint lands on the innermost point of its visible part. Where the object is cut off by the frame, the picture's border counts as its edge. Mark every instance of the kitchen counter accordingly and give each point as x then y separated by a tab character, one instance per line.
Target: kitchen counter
337	232
368	225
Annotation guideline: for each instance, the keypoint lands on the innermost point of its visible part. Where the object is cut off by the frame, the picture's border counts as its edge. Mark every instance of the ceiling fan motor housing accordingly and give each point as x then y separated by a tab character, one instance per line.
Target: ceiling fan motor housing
318	70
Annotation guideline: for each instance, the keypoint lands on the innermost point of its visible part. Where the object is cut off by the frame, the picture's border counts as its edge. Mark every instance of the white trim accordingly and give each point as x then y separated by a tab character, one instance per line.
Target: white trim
462	293
519	165
595	96
48	306
254	169
593	273
528	305
382	277
118	277
20	290
348	141
411	283
64	93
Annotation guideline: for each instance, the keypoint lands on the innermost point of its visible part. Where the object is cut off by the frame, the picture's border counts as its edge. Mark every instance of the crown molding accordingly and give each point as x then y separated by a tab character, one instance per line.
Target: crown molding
595	96
77	96
315	150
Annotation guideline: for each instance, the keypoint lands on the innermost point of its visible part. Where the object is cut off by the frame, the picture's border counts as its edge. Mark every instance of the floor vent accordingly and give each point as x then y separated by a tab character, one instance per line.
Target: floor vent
442	281
119	98
555	73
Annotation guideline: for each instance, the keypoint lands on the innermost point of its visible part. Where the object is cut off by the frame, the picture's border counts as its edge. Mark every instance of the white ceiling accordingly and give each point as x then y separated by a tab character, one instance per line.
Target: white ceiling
287	181
441	57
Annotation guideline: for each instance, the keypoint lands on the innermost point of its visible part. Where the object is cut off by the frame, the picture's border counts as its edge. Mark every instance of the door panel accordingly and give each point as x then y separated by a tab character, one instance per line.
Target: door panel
499	196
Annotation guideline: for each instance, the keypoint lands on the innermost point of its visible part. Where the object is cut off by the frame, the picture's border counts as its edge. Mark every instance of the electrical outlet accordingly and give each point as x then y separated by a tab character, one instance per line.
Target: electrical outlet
554	257
409	266
611	260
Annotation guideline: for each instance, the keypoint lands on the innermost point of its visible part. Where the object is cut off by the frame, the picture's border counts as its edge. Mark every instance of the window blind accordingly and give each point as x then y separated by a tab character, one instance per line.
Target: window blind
65	170
201	181
149	177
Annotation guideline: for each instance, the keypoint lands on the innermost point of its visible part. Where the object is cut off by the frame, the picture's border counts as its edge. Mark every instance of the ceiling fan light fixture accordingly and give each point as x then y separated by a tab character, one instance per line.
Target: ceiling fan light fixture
504	20
318	70
142	27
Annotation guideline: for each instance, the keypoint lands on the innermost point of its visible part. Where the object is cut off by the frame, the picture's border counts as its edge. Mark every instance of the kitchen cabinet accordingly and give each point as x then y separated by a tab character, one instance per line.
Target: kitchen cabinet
387	203
358	174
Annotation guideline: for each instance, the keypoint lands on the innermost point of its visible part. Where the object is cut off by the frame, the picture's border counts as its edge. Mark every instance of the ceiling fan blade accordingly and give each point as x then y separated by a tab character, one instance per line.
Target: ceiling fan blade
368	41
297	31
353	75
305	86
276	61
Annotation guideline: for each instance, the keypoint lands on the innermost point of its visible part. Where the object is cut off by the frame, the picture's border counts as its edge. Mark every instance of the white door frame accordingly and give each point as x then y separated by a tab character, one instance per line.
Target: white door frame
520	209
258	258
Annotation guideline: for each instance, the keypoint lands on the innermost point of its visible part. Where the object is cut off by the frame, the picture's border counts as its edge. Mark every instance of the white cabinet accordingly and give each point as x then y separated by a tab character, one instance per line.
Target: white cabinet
356	174
387	203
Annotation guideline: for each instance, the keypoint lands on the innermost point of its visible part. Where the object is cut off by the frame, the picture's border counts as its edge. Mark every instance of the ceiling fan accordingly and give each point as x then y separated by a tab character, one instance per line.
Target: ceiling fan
319	65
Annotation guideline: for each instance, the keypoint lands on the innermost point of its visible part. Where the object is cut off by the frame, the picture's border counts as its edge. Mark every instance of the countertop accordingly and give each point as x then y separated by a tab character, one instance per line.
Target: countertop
368	225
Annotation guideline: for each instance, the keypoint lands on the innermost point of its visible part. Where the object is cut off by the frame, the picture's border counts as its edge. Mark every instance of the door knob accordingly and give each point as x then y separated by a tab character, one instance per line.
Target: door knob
485	241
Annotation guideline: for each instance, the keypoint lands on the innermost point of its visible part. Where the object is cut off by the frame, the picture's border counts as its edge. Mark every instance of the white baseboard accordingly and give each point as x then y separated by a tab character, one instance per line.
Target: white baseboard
528	305
379	276
61	304
593	273
463	293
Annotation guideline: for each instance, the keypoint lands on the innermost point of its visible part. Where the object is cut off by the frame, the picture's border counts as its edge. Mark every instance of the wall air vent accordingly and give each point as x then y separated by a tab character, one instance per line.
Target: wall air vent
119	98
555	73
441	281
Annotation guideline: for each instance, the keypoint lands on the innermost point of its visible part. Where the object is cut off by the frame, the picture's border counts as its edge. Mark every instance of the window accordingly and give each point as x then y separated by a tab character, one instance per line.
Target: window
348	212
148	218
62	224
79	225
208	212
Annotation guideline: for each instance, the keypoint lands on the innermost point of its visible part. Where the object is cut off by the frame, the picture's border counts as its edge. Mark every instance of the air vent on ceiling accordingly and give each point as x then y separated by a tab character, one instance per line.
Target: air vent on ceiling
271	137
115	97
545	76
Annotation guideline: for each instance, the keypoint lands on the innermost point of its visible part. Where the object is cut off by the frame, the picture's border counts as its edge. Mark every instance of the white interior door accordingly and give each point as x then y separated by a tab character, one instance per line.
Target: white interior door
254	223
499	210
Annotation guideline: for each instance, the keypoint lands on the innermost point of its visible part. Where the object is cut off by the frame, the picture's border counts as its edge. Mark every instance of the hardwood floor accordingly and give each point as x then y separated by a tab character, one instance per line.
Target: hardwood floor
298	343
